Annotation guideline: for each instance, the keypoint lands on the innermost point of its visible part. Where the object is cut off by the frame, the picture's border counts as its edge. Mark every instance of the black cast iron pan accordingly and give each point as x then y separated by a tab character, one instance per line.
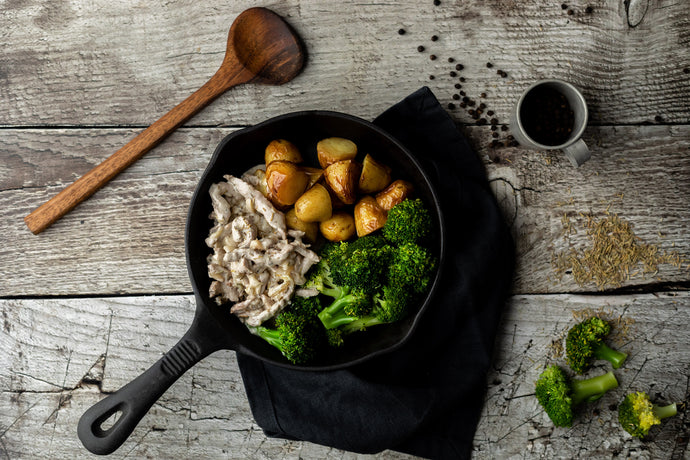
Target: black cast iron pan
213	327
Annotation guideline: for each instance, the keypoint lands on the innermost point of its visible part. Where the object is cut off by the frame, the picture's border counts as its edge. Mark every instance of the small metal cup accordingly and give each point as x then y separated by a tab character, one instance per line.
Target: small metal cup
574	148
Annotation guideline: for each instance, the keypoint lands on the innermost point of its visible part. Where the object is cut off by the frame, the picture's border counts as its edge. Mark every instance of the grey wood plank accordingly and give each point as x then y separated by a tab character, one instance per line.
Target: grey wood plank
102	63
128	237
63	354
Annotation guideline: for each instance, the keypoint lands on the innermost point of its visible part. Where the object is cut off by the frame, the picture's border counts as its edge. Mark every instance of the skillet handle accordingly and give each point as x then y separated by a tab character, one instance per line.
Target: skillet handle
131	402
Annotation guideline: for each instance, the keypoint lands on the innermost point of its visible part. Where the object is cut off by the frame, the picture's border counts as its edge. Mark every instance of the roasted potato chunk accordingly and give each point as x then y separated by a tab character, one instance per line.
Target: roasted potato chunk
280	149
340	227
285	181
314	205
310	229
342	178
314	174
333	149
375	176
395	193
369	216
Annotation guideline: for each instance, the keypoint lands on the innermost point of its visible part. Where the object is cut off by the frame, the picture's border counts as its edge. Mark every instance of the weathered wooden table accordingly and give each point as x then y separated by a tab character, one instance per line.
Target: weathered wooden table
98	297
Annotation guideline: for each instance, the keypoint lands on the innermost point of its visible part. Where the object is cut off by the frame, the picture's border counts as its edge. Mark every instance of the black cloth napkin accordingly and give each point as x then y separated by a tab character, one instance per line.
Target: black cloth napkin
426	397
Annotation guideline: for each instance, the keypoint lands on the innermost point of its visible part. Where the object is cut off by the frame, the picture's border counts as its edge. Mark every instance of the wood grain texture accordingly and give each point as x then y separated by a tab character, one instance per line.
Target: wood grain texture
129	236
103	63
49	377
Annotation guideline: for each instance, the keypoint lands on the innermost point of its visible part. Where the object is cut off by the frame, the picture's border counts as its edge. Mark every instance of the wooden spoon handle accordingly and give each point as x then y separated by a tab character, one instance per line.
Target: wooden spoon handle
48	213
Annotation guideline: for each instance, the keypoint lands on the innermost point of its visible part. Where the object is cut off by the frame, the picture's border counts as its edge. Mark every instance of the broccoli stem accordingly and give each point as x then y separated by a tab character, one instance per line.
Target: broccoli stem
333	316
592	388
665	411
361	324
607	353
272	336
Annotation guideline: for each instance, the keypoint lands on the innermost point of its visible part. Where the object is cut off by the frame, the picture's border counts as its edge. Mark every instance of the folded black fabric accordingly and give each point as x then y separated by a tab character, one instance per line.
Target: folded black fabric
425	398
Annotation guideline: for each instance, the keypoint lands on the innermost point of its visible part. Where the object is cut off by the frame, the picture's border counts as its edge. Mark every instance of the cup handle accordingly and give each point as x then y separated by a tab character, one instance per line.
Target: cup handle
577	153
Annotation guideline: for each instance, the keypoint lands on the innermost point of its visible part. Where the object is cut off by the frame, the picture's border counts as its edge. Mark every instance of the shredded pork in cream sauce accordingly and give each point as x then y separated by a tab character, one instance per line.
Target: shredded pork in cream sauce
256	262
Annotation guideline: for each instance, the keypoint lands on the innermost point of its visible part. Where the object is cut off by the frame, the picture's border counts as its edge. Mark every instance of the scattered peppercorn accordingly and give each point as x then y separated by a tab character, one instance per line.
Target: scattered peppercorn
451	106
401	31
570	12
460	67
502	73
420	48
482	95
451	60
458	86
462	79
481	121
490	112
494	121
453	74
489	65
504	128
482	105
463	105
589	10
479	111
471	103
456	97
431	77
437	2
434	38
471	112
432	57
564	6
494	134
493	127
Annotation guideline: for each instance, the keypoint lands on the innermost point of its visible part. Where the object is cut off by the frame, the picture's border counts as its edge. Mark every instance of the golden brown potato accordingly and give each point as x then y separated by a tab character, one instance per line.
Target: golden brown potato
285	181
393	194
340	227
280	149
375	176
314	174
342	177
310	229
314	205
334	149
369	216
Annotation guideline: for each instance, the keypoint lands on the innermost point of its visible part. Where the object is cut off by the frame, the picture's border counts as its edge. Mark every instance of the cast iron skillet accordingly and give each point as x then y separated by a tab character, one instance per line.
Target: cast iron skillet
213	327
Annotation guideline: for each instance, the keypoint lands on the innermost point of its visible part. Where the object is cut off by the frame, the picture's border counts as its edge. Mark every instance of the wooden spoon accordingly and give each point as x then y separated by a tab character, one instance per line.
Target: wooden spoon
261	48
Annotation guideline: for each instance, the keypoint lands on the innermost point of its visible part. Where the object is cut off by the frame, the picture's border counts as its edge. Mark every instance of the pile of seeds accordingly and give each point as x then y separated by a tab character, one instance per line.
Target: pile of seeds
614	256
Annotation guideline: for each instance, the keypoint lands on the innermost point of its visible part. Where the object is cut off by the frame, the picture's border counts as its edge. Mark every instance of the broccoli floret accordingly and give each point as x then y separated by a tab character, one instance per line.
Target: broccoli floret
334	337
585	343
412	267
321	279
345	309
637	414
558	394
408	222
298	333
391	305
361	264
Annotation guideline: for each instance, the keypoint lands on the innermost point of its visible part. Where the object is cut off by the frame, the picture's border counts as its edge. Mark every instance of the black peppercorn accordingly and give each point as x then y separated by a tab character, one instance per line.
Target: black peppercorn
489	65
482	105
464	99
494	127
494	121
432	57
458	86
481	121
463	105
462	79
494	134
434	38
490	112
460	67
504	128
453	74
420	48
589	10
401	31
570	12
437	2
471	103
451	106
450	59
431	77
456	97
482	95
564	6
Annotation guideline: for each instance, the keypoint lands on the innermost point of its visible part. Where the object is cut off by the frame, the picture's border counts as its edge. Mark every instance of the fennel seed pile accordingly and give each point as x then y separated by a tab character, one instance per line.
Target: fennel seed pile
614	254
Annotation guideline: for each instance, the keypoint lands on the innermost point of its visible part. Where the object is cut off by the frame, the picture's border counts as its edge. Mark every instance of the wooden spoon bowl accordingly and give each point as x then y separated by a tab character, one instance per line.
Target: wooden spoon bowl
261	48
